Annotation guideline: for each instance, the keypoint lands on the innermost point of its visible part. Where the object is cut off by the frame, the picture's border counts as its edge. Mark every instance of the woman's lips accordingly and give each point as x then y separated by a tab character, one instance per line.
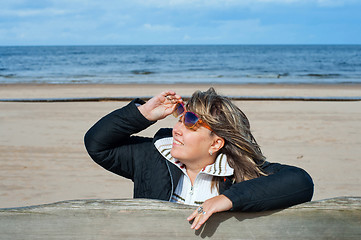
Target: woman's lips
176	142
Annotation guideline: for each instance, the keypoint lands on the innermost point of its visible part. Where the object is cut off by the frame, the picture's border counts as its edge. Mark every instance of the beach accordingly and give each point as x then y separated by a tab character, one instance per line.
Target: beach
43	159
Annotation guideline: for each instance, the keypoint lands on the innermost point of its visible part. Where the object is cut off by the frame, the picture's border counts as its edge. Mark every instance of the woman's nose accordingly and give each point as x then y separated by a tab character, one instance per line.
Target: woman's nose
177	129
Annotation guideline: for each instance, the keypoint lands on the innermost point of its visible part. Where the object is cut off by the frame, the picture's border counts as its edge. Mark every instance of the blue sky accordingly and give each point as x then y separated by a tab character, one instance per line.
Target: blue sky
87	22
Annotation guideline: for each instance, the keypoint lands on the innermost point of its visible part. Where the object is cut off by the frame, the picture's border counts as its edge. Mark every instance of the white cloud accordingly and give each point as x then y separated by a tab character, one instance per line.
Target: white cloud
168	21
332	3
187	37
234	3
33	12
160	28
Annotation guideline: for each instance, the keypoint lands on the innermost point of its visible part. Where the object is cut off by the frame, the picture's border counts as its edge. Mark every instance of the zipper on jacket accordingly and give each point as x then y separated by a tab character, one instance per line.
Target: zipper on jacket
171	180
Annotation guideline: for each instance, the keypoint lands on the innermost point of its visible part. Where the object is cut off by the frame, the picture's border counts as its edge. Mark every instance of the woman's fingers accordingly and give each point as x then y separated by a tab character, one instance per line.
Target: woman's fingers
196	220
168	92
160	106
213	205
170	101
168	95
172	97
193	215
200	216
200	219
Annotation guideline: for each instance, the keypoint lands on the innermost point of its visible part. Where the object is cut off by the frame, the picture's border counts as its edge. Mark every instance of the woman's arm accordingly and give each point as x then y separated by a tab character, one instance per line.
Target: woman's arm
285	186
109	141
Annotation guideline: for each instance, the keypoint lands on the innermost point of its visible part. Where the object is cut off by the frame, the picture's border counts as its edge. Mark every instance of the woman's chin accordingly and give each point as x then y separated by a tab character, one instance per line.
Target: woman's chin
175	153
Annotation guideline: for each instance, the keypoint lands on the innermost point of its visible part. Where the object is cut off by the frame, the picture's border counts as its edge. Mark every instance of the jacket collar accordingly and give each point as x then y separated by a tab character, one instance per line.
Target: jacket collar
219	168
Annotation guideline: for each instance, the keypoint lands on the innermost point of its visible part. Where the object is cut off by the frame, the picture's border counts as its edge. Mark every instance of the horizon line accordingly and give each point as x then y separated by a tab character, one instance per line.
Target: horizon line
188	44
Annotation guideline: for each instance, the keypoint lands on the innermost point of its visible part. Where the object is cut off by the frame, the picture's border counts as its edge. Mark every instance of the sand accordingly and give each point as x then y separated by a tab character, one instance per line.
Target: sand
43	159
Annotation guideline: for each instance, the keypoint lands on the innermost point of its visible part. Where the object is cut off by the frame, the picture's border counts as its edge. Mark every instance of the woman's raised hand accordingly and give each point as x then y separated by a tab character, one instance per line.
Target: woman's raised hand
160	106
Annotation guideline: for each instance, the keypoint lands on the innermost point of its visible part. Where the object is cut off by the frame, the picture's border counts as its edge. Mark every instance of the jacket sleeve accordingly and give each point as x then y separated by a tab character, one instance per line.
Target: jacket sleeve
110	144
284	186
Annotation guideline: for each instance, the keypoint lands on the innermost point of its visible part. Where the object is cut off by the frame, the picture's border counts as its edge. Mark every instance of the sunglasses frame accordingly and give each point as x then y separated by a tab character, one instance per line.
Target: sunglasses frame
183	114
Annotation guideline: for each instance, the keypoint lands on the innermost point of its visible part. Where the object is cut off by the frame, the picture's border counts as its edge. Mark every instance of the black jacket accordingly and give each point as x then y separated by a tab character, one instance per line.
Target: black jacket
110	144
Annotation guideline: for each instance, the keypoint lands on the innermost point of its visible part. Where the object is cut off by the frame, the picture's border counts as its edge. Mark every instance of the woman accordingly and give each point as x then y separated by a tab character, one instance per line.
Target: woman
209	158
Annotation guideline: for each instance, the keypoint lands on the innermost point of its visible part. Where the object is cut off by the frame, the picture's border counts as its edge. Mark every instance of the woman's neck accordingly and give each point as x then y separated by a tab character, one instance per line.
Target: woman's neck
195	167
192	174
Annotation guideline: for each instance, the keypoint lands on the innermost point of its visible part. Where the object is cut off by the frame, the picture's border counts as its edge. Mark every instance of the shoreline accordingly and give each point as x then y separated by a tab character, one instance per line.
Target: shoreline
38	91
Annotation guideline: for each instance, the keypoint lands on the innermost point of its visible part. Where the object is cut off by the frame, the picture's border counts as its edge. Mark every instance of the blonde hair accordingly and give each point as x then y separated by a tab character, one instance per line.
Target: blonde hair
230	123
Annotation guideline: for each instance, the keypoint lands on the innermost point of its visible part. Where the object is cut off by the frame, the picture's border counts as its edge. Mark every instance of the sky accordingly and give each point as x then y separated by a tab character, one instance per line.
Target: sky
124	22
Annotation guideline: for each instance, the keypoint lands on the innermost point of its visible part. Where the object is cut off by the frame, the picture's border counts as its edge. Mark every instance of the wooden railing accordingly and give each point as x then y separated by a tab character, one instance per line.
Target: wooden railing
337	218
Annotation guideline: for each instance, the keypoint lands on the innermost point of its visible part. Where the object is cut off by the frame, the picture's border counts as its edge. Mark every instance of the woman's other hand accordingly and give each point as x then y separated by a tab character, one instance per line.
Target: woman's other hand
213	205
160	106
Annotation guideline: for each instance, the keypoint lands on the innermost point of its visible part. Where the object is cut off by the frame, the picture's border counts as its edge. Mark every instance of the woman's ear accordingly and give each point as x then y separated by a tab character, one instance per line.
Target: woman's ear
217	144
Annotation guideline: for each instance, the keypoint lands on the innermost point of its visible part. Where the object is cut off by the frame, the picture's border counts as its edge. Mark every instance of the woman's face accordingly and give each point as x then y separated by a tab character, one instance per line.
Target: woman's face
191	146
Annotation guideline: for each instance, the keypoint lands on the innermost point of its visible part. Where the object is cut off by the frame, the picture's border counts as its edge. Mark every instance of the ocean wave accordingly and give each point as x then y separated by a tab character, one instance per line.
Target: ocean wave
322	75
142	72
83	76
7	75
268	76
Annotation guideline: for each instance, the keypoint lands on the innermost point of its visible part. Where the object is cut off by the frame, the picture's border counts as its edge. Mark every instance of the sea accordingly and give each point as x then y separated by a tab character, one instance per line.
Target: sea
171	64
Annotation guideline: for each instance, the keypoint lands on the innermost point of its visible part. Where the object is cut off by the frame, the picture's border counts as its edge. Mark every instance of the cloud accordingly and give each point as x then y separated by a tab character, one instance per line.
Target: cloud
333	3
235	3
231	32
174	21
159	27
46	12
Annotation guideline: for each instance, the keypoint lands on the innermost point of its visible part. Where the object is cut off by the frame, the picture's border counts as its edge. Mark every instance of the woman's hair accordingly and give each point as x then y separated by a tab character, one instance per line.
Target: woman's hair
230	123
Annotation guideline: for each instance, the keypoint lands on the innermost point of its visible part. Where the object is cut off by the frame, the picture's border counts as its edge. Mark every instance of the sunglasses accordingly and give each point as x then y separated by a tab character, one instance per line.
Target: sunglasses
189	119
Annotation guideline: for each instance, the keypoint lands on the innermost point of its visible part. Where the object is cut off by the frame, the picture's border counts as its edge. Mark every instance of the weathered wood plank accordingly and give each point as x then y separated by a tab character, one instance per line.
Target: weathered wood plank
338	218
